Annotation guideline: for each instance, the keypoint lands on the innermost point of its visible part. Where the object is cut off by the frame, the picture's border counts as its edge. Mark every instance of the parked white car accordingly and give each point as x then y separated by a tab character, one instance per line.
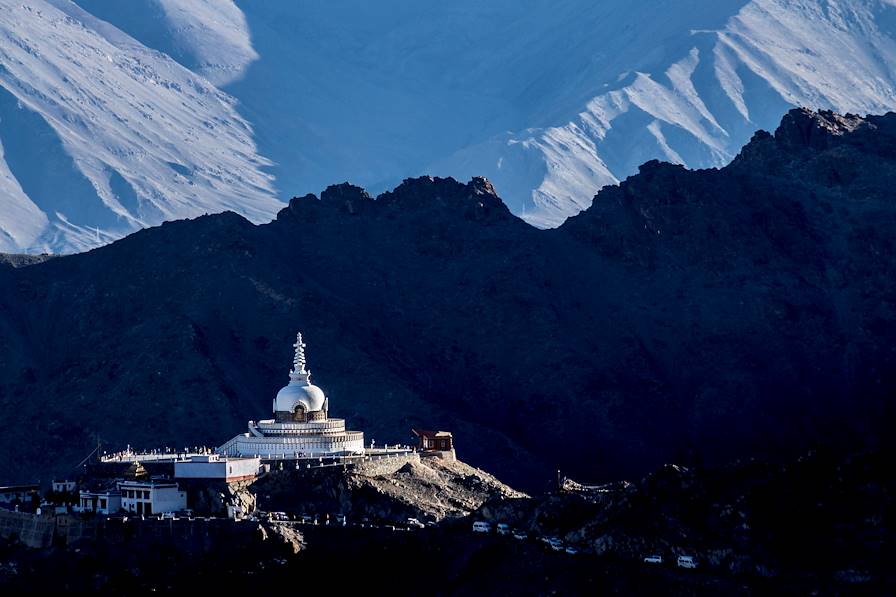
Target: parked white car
482	527
503	528
413	522
653	559
686	562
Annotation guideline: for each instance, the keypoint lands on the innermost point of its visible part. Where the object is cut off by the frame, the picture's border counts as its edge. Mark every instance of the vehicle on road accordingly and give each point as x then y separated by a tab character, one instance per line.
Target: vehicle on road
653	559
413	522
482	527
686	562
503	528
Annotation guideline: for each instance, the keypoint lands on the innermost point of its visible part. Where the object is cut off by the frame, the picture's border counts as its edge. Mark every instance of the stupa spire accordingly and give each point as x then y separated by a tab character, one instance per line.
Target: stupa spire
299	373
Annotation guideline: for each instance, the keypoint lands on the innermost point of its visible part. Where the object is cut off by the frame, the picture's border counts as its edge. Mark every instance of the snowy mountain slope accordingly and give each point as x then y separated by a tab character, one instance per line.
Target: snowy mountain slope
102	136
549	99
22	220
703	106
210	37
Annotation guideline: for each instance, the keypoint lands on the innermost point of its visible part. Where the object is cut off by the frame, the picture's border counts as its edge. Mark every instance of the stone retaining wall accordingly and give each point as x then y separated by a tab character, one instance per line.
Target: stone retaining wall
447	455
196	535
386	465
30	529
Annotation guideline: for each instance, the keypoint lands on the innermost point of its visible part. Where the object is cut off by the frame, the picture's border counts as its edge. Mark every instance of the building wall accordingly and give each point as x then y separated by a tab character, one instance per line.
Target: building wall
288	446
238	468
113	504
102	503
149	499
7	497
165	499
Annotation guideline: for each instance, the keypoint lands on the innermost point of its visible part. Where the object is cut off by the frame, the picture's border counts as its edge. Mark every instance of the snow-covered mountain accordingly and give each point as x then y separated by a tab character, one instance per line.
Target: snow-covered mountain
102	135
117	115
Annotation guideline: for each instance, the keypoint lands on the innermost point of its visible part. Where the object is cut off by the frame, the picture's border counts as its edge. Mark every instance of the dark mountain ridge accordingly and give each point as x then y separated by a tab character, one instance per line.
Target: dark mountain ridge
688	316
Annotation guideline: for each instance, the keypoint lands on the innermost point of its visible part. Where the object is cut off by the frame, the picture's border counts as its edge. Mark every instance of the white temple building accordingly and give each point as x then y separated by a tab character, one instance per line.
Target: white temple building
301	427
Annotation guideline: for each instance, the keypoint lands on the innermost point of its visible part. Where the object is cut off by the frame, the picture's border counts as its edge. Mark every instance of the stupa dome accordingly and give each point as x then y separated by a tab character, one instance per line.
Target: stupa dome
309	396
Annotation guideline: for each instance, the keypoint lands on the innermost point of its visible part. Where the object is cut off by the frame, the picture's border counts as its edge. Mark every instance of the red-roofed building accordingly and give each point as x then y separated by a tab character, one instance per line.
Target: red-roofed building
434	440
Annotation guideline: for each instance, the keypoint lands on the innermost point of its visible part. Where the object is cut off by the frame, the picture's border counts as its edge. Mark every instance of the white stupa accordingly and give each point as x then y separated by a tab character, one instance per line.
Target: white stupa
300	427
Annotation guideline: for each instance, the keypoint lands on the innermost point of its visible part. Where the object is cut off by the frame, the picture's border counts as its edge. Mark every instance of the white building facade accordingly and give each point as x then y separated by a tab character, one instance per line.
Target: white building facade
63	486
152	497
101	502
301	427
215	466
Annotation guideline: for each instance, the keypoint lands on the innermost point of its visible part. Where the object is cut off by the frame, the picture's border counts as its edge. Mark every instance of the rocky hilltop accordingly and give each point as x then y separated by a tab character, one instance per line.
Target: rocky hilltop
430	489
818	523
687	316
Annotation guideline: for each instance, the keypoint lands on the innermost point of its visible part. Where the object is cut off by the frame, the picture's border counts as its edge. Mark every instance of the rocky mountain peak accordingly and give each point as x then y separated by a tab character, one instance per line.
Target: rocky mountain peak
482	186
476	200
339	193
345	196
823	153
297	203
803	128
806	136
